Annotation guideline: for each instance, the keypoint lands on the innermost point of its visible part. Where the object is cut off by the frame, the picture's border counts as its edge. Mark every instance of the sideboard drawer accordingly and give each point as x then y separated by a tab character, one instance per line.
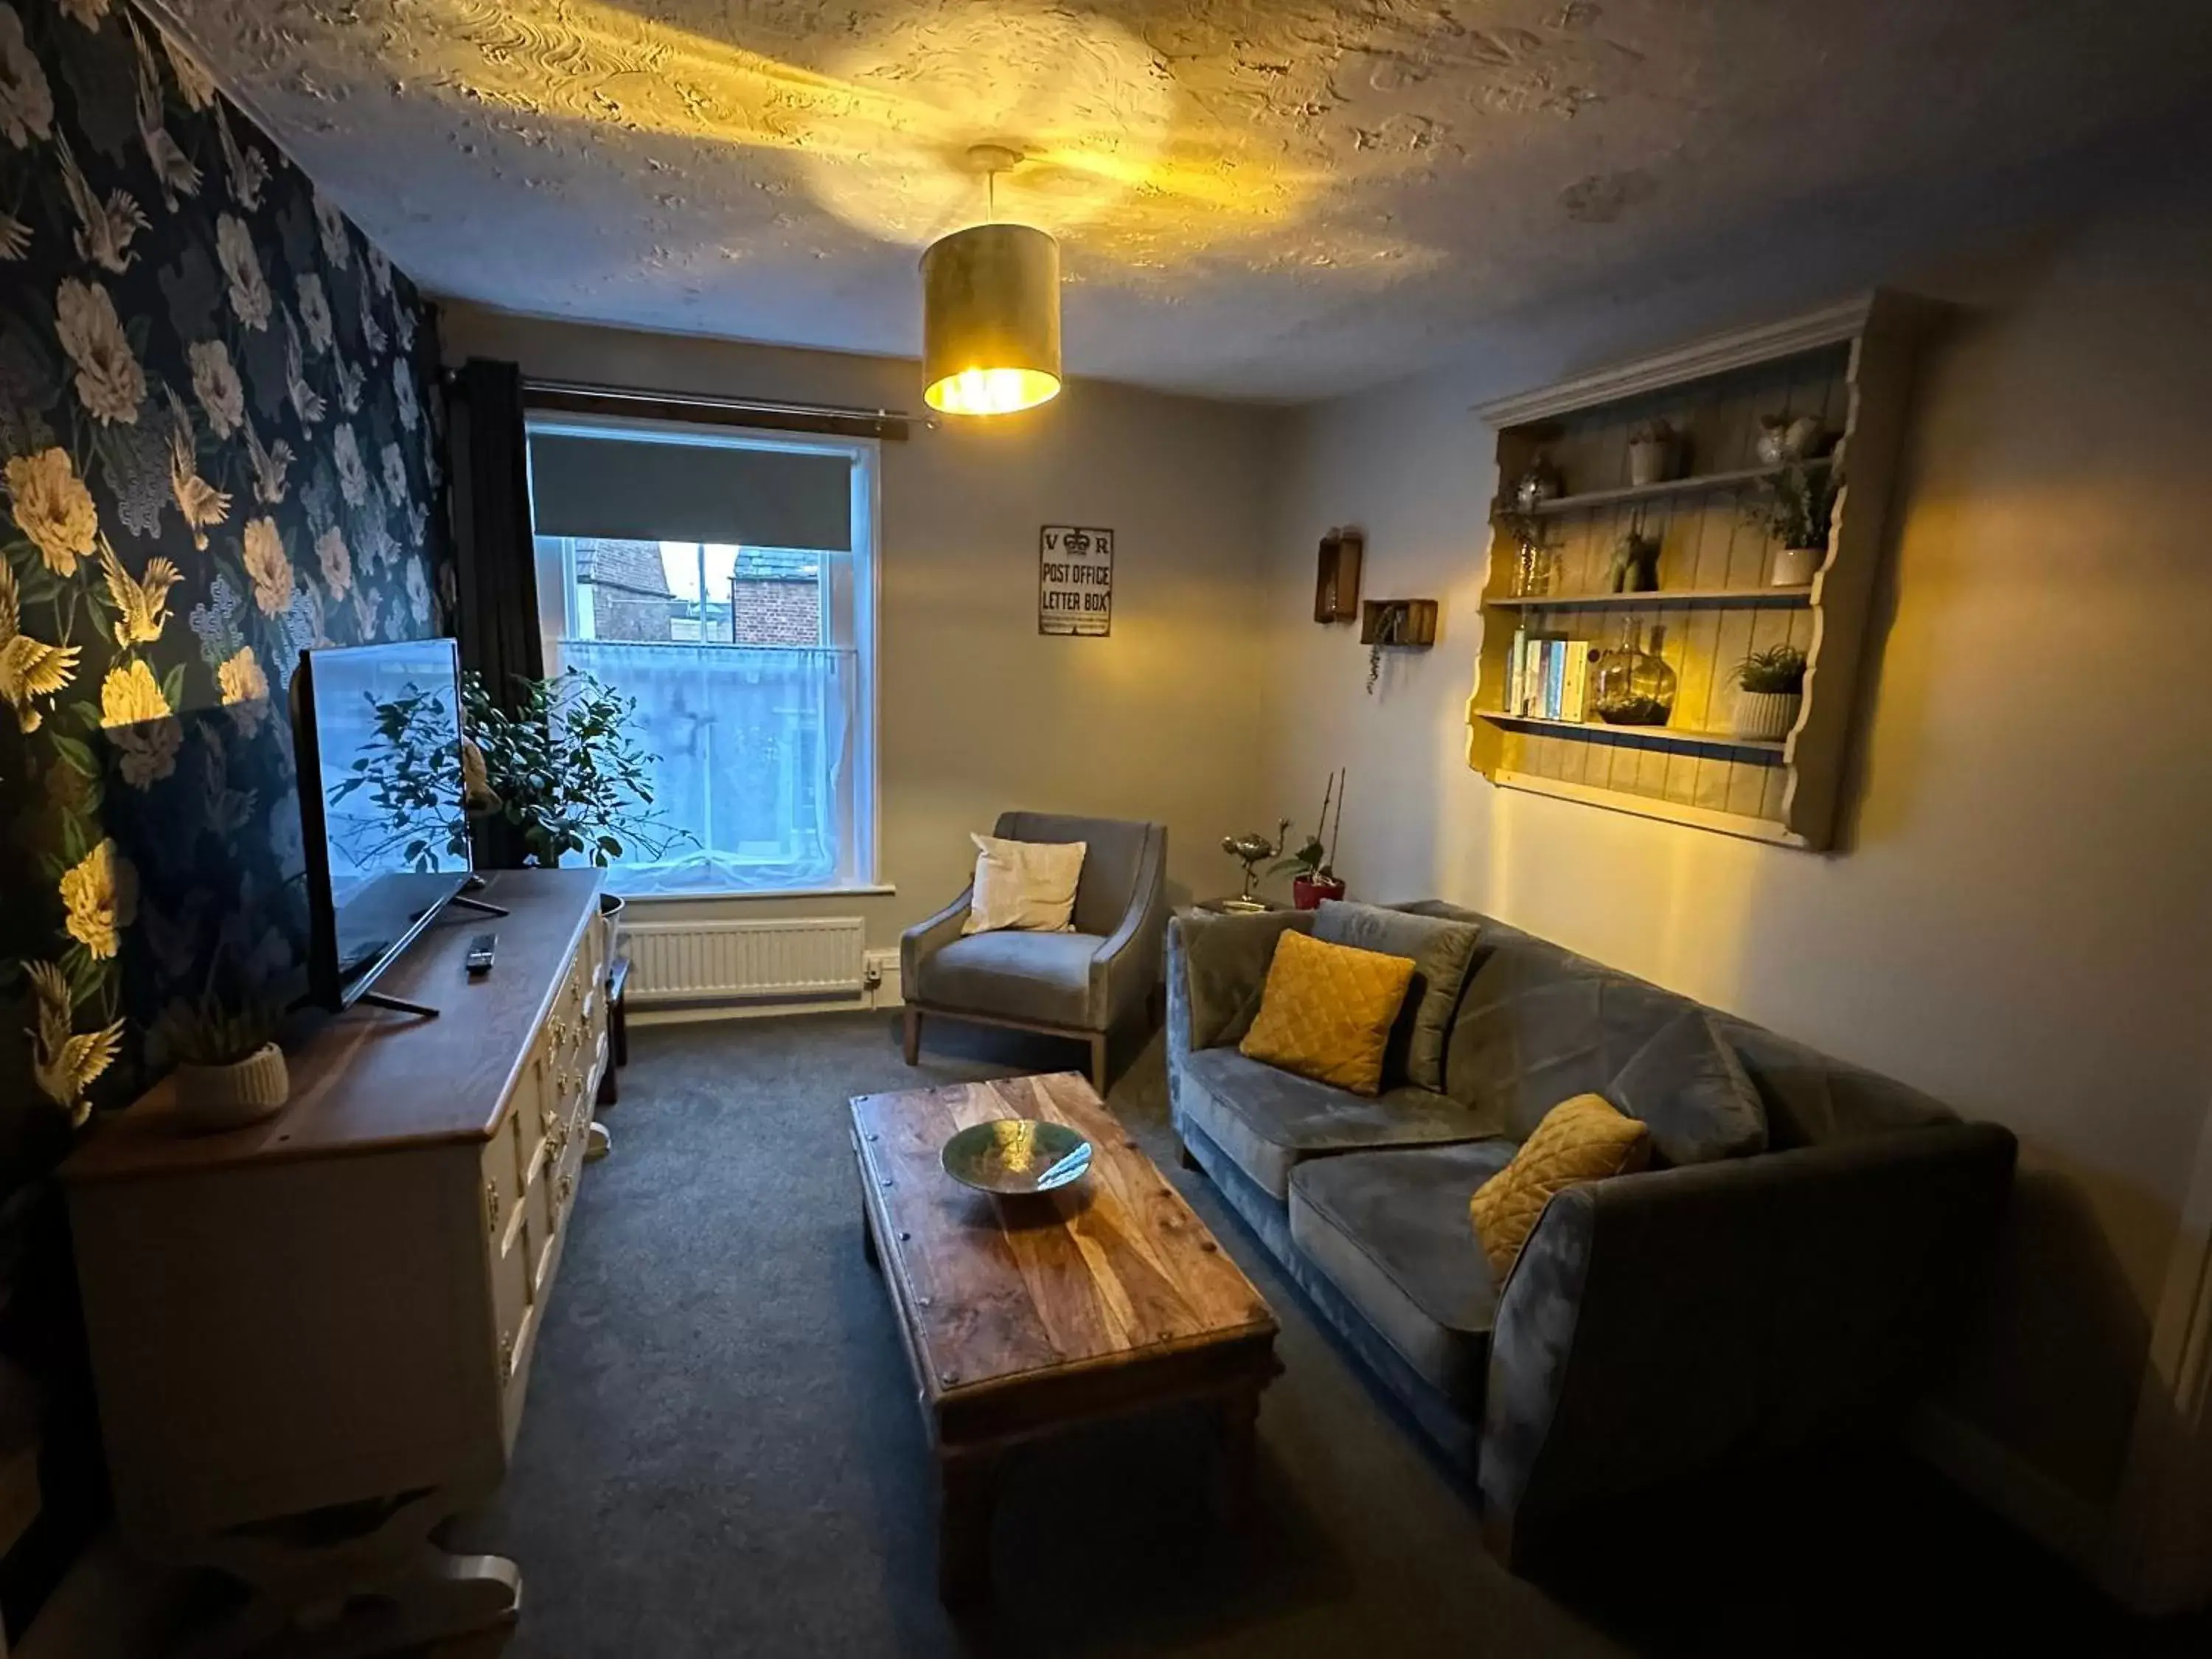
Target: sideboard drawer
507	1248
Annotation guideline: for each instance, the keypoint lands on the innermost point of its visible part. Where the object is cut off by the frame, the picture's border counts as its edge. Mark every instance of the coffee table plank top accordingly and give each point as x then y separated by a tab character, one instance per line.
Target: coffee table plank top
1115	1270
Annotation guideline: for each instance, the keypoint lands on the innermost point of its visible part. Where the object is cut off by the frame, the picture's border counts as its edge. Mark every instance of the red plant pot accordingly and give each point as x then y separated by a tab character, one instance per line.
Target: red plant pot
1307	891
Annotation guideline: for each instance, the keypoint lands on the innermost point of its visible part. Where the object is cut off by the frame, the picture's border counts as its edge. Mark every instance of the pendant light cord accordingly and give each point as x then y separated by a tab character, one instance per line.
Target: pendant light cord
991	197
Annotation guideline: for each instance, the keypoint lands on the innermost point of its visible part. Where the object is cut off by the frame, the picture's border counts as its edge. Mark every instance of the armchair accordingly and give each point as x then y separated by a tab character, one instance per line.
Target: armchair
1085	984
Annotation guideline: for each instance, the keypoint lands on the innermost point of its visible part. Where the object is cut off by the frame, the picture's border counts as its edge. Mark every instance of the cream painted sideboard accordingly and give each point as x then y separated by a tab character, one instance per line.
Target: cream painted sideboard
311	1338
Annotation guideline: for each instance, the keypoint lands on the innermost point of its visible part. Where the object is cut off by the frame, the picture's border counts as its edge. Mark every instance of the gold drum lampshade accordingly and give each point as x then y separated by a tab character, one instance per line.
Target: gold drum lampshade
990	320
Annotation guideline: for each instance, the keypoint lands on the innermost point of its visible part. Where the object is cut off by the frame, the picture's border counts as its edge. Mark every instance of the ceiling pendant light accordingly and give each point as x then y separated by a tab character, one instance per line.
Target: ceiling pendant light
990	310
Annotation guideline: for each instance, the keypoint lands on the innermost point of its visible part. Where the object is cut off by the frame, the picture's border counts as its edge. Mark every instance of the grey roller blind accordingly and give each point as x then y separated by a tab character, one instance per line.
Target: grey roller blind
630	489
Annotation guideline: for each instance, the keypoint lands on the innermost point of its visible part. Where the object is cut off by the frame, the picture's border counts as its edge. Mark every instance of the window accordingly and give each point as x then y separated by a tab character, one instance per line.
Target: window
725	580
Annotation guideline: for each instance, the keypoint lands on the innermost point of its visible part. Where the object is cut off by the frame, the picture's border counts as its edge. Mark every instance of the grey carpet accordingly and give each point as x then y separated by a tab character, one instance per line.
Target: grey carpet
721	1454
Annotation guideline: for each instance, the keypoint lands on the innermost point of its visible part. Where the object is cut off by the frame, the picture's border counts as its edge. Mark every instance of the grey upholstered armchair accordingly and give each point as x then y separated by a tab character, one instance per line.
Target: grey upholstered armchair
1087	984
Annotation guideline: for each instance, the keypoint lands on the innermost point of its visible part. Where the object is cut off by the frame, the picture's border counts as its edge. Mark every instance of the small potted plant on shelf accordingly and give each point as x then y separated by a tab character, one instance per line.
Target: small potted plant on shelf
1655	450
229	1070
1771	690
1795	508
1315	862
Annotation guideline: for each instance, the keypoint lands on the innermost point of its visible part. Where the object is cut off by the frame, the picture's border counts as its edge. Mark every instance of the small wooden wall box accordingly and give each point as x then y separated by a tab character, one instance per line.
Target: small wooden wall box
1336	582
1417	629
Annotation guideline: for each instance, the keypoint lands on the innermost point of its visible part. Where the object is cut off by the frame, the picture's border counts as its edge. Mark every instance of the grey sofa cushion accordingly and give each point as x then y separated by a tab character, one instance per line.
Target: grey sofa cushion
1690	1091
1539	1026
1225	960
1269	1122
1441	951
1044	977
1812	1100
1390	1230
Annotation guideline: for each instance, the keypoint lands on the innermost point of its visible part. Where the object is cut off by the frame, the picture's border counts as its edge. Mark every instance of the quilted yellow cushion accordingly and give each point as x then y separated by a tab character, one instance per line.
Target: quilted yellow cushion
1579	1140
1326	1012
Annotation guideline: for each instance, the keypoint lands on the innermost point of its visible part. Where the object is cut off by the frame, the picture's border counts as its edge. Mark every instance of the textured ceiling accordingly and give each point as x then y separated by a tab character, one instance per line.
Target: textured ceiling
1277	198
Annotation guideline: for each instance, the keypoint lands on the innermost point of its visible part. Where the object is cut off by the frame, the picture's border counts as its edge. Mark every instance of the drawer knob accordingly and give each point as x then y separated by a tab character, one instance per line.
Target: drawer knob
568	1187
507	1359
491	1207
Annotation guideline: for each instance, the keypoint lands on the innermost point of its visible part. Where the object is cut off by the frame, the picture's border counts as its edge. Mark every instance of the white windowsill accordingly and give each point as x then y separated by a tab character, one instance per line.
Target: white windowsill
859	890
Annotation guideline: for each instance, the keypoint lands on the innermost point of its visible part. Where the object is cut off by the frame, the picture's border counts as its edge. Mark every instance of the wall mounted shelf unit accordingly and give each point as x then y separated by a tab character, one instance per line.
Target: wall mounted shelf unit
1411	623
1850	367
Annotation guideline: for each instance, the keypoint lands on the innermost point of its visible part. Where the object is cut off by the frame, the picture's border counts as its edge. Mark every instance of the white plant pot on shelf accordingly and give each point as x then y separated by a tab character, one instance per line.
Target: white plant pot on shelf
1795	567
1766	715
1650	460
230	1097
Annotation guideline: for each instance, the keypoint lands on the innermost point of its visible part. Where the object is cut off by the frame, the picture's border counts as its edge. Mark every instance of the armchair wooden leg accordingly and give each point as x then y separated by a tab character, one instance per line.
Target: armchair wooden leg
913	1035
1098	1078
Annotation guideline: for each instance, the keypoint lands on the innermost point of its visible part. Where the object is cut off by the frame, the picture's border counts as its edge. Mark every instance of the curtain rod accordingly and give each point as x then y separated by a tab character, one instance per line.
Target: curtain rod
577	398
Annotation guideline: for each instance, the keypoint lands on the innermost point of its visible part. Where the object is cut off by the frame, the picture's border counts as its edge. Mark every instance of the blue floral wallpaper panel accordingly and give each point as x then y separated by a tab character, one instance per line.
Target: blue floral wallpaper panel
220	442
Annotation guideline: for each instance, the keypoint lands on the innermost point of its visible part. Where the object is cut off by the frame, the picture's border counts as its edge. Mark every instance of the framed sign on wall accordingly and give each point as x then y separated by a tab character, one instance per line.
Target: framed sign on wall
1075	579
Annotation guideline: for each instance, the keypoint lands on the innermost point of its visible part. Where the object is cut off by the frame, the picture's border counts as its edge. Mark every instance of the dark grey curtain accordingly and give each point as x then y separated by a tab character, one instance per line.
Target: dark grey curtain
498	622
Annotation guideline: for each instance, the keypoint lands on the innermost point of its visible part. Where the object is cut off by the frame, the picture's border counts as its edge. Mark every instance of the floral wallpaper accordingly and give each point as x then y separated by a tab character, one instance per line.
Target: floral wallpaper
221	432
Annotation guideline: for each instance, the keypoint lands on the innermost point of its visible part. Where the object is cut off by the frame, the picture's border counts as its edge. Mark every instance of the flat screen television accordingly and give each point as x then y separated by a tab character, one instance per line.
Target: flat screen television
376	735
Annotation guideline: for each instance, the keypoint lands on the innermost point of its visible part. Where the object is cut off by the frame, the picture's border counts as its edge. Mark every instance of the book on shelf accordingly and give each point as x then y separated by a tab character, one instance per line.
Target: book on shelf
1576	680
1548	676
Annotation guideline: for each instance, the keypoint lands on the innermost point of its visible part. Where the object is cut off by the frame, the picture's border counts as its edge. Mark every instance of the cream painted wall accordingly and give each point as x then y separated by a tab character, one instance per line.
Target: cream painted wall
1163	720
2022	921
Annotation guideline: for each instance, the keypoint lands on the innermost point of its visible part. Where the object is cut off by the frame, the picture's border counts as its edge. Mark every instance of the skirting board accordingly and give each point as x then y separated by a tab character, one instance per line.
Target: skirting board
2001	1480
883	969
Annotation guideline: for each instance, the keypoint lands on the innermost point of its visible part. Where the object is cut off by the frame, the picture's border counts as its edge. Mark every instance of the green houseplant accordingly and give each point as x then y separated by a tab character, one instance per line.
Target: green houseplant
1795	508
560	768
1770	691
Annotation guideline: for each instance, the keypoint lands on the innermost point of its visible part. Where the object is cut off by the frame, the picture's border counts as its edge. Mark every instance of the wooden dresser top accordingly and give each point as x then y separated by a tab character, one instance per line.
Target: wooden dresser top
370	1079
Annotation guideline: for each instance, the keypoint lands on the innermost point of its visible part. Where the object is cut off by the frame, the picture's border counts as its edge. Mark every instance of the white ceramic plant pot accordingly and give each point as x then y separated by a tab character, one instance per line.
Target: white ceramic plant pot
1650	461
1766	715
233	1096
1793	567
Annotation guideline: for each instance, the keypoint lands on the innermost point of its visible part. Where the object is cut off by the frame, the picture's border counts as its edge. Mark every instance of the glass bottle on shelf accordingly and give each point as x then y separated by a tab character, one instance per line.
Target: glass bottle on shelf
1635	687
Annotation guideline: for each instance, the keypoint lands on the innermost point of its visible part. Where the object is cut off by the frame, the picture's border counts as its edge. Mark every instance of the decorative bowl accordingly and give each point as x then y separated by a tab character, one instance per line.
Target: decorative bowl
1012	1156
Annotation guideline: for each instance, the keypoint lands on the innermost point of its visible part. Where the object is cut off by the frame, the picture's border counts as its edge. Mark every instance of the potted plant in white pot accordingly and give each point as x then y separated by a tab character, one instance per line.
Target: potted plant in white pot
1770	690
1655	450
1795	508
228	1071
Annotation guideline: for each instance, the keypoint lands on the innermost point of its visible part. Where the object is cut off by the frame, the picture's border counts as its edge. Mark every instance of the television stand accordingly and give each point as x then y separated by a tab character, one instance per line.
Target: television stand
398	1005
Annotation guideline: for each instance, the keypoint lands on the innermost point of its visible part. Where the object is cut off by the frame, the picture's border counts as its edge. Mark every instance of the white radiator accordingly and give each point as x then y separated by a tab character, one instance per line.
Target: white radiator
696	961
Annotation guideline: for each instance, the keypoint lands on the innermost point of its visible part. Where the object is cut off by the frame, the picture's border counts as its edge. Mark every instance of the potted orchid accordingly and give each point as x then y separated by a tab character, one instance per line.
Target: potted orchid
1317	878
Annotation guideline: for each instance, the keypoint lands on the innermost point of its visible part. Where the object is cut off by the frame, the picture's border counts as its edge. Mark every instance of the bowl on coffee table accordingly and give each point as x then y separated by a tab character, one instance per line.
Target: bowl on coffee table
1016	1157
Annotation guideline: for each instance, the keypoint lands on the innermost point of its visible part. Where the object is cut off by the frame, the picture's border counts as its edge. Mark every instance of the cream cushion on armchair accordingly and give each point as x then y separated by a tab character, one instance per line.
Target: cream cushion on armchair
1029	885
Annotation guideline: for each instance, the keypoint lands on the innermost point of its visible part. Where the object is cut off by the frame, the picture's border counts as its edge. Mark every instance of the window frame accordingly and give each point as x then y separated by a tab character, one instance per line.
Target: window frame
861	568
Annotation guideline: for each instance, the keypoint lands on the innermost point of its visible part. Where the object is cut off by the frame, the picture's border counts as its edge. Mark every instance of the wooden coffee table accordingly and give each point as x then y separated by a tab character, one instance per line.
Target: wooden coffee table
1023	1317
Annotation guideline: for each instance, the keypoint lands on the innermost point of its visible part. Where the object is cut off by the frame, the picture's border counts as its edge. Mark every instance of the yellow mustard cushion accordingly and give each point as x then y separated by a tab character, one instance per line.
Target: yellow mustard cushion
1326	1012
1580	1139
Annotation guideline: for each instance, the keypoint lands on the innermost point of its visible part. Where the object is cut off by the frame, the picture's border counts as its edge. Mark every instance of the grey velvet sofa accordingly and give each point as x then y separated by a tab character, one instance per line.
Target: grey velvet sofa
1655	1324
1087	984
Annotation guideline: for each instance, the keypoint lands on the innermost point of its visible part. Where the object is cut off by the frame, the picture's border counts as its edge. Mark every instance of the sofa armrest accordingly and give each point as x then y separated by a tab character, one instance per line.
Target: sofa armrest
1657	1322
926	938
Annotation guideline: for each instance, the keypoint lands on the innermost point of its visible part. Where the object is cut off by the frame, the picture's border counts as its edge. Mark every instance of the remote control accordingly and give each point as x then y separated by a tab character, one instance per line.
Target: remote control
479	957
